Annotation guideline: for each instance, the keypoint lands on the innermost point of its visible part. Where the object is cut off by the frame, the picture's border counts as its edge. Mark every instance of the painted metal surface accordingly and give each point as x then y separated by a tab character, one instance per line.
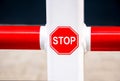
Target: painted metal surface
19	37
105	38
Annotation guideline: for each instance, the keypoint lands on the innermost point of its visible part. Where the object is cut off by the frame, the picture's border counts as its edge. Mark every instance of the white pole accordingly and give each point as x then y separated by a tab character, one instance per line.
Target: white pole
65	13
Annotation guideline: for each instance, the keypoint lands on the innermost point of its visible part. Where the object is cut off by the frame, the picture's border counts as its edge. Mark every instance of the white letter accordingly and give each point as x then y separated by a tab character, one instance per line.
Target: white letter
67	40
55	41
73	39
60	39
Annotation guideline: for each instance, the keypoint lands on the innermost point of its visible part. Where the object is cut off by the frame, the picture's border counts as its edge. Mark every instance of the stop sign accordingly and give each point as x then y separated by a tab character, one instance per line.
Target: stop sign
64	40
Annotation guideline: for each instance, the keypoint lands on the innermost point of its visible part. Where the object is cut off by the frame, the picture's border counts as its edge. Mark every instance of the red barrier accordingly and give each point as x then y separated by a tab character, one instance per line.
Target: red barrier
105	38
19	37
28	37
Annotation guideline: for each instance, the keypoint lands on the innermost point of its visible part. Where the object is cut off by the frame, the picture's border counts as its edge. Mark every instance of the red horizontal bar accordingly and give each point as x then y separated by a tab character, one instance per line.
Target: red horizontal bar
105	38
19	37
27	37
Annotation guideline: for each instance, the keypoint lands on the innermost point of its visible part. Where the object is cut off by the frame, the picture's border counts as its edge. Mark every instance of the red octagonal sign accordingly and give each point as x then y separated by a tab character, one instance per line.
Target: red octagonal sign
64	40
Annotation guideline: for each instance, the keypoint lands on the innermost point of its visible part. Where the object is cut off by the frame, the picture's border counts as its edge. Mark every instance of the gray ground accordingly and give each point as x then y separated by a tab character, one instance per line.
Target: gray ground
102	66
31	65
23	65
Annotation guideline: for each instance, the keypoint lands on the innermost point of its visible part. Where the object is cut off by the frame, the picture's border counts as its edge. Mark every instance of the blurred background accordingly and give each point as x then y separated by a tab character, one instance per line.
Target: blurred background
32	65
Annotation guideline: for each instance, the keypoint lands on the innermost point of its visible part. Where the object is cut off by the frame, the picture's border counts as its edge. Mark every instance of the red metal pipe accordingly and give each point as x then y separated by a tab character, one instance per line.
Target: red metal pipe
28	37
19	37
105	38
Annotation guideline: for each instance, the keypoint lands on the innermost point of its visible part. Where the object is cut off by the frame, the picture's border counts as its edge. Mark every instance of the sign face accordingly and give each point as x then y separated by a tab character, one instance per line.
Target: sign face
64	40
